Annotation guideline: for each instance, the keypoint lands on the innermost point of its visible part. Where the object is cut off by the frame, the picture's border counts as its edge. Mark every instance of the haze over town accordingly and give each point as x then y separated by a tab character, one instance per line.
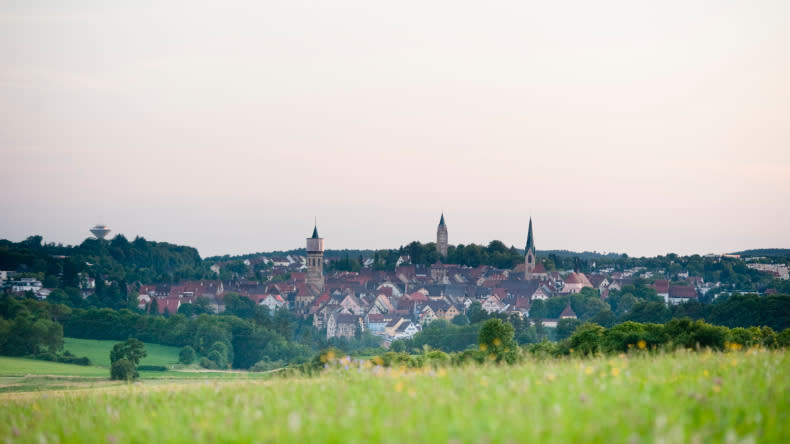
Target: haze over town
642	128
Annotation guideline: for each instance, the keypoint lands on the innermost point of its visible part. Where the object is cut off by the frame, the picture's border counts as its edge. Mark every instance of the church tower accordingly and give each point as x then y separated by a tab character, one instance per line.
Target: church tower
441	238
315	261
529	254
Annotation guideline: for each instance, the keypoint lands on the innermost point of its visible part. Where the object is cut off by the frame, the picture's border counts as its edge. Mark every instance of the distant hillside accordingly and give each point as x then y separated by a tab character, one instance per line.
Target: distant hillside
338	254
765	252
586	255
329	254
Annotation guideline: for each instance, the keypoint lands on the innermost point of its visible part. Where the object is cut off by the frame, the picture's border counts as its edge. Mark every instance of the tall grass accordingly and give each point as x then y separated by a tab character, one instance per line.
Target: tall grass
673	398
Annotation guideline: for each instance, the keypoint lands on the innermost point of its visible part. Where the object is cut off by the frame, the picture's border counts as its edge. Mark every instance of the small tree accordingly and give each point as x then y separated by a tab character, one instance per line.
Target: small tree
496	339
131	351
123	370
187	355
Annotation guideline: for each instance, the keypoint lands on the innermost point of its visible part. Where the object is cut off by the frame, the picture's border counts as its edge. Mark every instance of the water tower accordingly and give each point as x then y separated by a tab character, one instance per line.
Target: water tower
100	231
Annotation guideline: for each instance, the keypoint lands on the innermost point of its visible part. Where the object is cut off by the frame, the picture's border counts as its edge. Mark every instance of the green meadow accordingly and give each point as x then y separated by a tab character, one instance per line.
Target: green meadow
673	398
99	352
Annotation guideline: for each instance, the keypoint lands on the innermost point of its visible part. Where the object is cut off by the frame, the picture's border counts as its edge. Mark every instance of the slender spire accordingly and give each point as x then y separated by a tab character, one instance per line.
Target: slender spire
315	232
530	240
441	221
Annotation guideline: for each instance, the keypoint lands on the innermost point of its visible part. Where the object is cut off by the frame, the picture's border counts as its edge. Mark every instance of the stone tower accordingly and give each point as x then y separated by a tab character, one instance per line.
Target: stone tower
441	238
529	253
315	261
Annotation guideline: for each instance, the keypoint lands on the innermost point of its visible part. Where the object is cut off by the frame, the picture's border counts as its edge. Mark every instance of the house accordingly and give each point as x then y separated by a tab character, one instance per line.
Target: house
406	330
568	313
493	305
376	323
343	325
5	275
599	281
272	301
662	288
26	284
353	304
574	283
681	293
427	315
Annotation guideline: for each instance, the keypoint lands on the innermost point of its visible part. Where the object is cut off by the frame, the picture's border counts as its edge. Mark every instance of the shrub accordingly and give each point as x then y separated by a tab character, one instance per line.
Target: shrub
783	338
264	366
208	363
437	358
586	340
152	368
187	355
123	370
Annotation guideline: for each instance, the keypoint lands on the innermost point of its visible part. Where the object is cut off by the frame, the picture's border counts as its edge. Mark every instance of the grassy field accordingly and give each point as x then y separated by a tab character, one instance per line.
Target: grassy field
683	397
29	375
99	352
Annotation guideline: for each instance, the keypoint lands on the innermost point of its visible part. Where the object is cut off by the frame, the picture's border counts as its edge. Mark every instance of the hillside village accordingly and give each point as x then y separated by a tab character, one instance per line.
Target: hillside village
396	304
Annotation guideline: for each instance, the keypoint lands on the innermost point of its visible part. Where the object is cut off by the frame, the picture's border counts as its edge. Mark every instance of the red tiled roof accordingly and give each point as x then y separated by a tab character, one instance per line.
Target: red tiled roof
682	291
661	285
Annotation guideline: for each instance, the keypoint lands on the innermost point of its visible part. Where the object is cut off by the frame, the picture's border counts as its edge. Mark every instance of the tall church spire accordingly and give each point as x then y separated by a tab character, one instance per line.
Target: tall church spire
529	253
315	262
441	237
530	239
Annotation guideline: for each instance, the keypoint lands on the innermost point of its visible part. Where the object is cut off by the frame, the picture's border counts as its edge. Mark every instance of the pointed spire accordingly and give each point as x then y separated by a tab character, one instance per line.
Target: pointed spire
315	232
441	221
530	240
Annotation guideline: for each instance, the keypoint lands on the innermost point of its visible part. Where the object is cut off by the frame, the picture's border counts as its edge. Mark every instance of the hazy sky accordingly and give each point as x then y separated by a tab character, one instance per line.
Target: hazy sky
643	127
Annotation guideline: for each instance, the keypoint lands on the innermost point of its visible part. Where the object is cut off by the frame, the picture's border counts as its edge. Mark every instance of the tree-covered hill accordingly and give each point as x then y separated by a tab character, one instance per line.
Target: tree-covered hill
115	260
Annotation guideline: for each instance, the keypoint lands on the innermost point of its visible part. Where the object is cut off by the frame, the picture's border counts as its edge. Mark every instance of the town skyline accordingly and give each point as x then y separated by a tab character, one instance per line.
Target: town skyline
633	128
442	226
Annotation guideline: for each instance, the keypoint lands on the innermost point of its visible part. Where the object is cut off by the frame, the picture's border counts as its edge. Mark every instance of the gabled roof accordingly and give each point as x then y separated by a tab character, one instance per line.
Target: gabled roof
596	279
682	291
661	285
568	312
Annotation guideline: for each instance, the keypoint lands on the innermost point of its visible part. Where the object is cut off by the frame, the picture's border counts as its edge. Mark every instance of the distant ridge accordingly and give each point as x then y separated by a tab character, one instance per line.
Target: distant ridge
765	252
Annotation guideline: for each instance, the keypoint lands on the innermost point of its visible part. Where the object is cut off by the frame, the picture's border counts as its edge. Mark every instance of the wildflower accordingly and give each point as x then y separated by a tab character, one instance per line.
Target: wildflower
615	371
550	377
641	344
588	370
705	373
483	347
399	386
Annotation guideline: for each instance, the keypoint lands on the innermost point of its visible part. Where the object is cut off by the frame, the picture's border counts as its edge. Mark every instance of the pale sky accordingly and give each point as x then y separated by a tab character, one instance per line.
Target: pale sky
643	127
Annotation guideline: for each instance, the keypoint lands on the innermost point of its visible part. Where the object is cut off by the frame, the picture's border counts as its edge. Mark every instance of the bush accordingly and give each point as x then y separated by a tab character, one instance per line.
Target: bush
75	360
437	358
783	338
187	355
152	368
543	349
265	366
123	370
208	363
586	340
